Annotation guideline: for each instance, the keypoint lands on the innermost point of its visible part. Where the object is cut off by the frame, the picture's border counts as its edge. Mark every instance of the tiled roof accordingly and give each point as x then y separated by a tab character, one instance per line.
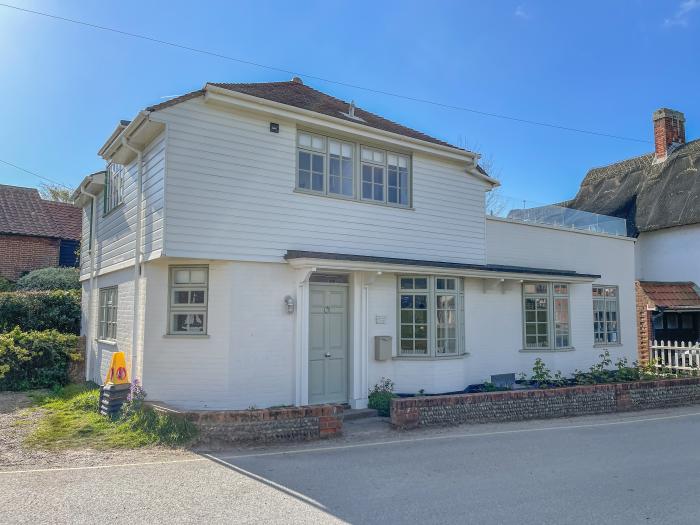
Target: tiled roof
24	212
295	93
672	295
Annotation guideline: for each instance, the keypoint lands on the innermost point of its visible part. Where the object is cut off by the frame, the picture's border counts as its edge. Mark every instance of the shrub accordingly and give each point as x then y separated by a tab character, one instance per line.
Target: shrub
50	279
36	359
380	396
59	310
5	285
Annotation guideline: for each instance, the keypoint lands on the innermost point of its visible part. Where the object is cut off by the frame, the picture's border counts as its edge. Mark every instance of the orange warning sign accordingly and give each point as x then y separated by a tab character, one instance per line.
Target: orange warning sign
117	374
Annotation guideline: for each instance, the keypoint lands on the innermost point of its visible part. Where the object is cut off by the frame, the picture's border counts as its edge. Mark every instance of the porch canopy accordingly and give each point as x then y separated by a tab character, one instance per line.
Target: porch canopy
671	296
348	262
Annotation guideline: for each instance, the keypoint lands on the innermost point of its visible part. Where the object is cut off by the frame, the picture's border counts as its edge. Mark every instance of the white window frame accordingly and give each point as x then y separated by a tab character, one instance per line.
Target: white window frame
194	309
554	332
323	148
433	348
379	158
108	311
602	335
113	193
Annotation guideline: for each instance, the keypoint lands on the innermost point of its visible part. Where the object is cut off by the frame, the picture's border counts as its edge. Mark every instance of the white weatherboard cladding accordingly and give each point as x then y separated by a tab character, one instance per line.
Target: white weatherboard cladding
230	195
671	254
114	242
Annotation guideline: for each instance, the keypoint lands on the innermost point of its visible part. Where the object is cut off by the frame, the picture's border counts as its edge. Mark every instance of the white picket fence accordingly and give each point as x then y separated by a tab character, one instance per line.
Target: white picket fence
676	357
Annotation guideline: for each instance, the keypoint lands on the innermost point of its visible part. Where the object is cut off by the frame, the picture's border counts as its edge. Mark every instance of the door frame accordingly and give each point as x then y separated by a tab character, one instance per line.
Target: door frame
348	331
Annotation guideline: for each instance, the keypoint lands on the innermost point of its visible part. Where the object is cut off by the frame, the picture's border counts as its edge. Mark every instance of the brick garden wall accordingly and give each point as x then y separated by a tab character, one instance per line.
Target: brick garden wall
542	404
22	254
269	424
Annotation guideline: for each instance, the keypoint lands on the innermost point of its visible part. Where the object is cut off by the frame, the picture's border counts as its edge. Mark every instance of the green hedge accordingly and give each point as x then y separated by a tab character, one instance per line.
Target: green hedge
56	310
50	279
36	359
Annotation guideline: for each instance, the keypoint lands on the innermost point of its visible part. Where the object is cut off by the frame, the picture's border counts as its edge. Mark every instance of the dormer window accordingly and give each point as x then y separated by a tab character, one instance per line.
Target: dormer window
114	187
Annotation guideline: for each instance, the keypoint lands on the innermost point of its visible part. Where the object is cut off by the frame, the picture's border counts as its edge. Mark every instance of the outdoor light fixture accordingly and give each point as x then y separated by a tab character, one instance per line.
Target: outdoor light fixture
291	304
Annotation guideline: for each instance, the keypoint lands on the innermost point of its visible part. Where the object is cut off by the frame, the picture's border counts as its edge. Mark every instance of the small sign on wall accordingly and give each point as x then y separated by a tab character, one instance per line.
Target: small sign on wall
380	319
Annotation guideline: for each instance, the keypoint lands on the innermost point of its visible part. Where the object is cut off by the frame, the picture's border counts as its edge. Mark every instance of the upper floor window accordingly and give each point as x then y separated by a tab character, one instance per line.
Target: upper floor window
546	315
327	166
606	329
385	177
114	187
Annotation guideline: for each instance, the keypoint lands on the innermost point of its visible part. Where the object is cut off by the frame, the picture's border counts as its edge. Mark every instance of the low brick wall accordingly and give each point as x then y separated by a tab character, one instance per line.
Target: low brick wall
267	425
543	404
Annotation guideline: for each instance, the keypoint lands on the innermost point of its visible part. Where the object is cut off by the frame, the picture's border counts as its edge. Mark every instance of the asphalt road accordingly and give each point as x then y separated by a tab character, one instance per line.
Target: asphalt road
633	468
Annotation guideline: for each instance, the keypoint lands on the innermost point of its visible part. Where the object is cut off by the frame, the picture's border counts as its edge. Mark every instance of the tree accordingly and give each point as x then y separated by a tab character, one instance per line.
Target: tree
54	192
496	202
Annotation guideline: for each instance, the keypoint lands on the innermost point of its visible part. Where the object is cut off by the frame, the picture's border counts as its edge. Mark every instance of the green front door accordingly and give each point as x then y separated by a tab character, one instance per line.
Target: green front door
328	344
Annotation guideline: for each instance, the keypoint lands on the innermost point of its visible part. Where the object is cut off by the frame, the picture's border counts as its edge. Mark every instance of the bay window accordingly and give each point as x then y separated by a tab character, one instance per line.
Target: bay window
430	316
546	322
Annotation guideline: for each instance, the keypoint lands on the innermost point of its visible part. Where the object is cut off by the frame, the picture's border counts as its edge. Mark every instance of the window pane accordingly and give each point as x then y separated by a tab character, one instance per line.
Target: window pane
421	302
317	142
333	147
304	139
407	316
317	163
193	323
198	276
304	160
421	316
406	301
421	283
182	276
406	283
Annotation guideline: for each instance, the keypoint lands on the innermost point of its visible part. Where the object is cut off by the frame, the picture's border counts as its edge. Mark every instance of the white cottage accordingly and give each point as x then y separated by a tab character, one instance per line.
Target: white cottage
268	244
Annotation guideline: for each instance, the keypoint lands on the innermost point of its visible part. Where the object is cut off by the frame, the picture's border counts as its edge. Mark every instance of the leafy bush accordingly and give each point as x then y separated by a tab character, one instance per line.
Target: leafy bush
73	421
36	359
59	310
5	285
380	396
50	279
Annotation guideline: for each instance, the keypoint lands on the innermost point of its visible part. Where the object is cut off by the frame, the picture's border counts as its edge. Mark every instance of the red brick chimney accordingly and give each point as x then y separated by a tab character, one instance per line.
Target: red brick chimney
669	131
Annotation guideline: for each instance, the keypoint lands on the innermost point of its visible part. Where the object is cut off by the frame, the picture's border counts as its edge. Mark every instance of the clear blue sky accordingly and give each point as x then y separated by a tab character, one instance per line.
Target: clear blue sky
597	65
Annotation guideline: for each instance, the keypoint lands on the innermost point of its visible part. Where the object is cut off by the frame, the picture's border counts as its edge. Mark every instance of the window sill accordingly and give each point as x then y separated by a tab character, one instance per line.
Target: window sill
605	345
113	209
106	342
352	199
546	350
429	358
185	336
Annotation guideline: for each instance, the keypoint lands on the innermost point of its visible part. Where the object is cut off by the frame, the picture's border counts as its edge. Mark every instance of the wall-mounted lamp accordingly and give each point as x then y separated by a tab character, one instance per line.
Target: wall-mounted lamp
291	304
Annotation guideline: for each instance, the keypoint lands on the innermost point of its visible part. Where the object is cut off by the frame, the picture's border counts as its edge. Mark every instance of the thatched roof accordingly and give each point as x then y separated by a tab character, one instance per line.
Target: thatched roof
650	196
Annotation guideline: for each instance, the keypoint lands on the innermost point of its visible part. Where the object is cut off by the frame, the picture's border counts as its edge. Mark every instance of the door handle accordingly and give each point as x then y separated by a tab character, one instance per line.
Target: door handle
328	354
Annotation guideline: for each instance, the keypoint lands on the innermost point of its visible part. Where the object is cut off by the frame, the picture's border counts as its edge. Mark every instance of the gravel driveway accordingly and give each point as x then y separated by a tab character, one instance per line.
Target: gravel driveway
18	418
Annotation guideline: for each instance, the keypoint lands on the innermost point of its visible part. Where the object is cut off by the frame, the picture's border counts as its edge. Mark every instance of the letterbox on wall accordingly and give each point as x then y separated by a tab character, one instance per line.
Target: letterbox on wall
382	347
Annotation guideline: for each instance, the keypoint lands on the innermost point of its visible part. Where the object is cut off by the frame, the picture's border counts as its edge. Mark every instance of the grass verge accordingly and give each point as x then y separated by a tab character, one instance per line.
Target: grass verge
72	420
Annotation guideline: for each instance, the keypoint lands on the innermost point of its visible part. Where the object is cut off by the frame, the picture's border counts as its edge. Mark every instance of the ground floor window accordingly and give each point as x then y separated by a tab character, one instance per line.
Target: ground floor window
107	318
546	323
606	328
430	316
188	299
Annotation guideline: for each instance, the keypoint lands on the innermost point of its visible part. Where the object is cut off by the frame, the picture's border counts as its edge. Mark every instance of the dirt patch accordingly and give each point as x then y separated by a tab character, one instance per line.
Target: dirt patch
17	420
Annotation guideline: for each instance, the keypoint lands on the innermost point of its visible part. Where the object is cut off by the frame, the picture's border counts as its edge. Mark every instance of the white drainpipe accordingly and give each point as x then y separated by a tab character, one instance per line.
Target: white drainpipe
137	260
91	321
